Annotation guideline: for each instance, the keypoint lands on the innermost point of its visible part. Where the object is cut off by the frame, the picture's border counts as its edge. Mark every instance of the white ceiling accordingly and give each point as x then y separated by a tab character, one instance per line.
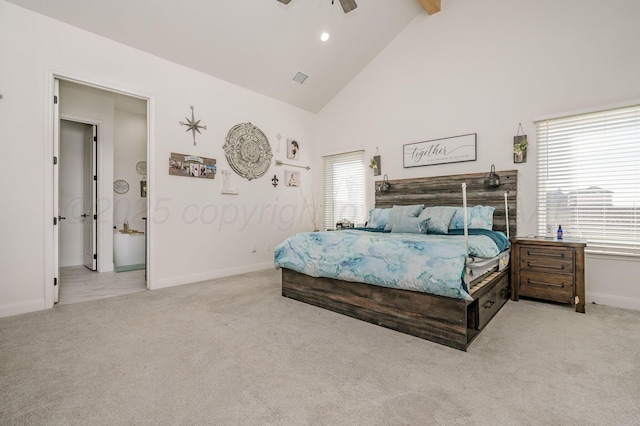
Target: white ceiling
256	44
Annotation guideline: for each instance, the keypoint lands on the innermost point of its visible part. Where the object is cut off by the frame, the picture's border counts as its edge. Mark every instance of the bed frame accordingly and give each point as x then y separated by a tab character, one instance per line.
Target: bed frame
448	321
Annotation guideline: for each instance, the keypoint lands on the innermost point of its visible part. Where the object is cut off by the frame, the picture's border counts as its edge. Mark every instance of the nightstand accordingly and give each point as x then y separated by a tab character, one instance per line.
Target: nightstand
548	269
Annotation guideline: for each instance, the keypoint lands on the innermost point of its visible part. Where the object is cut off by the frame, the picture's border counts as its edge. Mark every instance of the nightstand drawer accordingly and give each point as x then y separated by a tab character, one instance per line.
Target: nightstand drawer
549	286
554	260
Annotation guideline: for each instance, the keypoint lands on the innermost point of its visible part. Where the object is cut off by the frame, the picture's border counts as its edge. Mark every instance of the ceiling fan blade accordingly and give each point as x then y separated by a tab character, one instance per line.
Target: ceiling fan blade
285	1
348	5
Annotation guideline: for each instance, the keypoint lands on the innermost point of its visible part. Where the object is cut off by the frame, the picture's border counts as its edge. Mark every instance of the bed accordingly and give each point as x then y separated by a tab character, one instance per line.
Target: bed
449	317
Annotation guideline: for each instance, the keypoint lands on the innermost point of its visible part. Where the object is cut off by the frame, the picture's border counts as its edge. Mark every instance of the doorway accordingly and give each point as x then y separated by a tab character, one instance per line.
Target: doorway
77	195
100	147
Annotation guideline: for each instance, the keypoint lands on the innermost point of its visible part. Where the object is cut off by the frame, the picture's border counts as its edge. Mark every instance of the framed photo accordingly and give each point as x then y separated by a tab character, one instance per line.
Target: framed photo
292	178
440	151
293	149
192	166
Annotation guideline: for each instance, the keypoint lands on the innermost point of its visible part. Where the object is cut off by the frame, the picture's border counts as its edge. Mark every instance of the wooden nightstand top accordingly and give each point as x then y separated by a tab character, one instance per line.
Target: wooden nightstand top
543	241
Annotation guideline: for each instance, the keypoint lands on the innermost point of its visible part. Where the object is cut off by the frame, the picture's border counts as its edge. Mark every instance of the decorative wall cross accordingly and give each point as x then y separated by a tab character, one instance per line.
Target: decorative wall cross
193	125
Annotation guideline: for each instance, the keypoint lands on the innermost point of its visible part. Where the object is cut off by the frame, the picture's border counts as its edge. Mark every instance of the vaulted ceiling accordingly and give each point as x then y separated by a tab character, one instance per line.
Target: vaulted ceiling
256	44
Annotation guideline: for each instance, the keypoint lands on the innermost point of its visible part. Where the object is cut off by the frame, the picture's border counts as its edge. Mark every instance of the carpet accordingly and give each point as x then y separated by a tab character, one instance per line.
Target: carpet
234	351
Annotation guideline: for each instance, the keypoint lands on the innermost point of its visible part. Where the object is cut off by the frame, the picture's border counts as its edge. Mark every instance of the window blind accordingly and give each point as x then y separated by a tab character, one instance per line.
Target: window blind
589	178
344	196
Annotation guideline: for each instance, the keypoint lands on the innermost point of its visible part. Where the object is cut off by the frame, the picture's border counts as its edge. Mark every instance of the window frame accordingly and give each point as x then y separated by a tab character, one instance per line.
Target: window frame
358	215
570	152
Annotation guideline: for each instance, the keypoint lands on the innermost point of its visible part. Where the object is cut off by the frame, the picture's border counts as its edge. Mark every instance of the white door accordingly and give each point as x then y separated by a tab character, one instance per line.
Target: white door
89	214
56	204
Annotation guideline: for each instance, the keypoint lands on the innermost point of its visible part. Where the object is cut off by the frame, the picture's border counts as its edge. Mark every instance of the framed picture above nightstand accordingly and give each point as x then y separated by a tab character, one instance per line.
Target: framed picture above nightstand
548	270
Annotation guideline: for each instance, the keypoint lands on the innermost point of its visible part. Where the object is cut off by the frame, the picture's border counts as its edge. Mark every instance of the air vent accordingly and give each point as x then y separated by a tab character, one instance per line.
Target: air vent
300	77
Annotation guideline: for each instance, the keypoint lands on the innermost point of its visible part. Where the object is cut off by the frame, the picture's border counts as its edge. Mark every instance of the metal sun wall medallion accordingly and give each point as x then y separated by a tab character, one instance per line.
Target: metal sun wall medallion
248	151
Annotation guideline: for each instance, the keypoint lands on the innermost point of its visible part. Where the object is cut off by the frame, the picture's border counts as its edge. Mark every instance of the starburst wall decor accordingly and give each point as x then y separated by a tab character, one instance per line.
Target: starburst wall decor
193	125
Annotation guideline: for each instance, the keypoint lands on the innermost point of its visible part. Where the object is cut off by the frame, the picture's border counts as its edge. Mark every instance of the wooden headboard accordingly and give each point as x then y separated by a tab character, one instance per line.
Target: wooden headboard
447	191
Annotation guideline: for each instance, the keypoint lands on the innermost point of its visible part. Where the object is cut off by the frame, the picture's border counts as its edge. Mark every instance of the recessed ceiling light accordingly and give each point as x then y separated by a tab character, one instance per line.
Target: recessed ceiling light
324	36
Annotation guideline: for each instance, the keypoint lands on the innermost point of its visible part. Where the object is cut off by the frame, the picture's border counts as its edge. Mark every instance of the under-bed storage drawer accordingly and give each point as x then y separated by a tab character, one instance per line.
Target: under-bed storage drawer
490	303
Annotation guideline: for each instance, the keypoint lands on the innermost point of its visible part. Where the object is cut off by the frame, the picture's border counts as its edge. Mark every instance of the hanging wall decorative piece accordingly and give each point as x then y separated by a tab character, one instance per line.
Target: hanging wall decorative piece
376	163
520	145
193	125
192	165
248	151
121	186
226	188
280	163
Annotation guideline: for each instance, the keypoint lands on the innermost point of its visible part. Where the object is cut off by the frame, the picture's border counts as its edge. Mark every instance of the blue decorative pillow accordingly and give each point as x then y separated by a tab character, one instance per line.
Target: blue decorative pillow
403	211
478	217
411	225
378	218
439	219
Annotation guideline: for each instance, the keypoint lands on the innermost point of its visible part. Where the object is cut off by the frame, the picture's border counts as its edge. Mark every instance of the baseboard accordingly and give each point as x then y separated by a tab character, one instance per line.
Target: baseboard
21	308
609	300
127	268
220	273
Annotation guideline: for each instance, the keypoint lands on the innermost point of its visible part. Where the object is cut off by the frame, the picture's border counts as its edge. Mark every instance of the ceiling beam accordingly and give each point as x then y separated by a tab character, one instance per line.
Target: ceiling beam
431	6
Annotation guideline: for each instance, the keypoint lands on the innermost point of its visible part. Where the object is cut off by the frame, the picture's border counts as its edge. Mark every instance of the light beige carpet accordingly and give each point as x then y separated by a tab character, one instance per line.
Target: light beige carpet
234	352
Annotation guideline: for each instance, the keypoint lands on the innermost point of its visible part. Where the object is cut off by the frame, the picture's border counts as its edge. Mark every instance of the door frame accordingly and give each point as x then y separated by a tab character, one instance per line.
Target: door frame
51	75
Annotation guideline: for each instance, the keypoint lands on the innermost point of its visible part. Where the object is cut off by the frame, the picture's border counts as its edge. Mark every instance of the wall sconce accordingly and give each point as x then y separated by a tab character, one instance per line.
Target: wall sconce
493	179
384	185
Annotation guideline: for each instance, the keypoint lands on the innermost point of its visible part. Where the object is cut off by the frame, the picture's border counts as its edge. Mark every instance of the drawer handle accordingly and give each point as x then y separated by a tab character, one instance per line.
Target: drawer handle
537	265
543	283
560	255
489	304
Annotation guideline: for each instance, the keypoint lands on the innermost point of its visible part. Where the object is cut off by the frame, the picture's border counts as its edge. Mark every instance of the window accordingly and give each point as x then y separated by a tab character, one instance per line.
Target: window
589	178
344	188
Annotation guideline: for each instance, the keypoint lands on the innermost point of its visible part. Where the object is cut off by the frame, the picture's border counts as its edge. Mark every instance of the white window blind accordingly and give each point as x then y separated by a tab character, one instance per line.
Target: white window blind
589	178
344	188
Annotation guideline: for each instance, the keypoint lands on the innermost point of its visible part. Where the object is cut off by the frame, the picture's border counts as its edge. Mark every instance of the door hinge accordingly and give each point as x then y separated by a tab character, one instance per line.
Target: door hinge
55	160
55	99
95	217
95	257
95	139
55	281
95	178
55	220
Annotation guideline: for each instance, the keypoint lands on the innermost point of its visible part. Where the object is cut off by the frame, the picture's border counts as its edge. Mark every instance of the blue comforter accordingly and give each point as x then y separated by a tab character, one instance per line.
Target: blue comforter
428	263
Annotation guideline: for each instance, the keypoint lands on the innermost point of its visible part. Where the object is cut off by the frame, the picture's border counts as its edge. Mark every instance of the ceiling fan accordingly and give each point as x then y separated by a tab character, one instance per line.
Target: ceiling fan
347	5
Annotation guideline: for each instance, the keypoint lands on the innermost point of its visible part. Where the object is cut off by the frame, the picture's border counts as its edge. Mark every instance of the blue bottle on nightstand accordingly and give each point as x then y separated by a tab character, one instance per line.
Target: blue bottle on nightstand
559	232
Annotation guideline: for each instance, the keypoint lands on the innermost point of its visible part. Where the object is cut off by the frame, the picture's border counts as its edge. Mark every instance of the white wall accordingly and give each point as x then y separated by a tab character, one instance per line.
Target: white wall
71	163
483	67
130	147
196	232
